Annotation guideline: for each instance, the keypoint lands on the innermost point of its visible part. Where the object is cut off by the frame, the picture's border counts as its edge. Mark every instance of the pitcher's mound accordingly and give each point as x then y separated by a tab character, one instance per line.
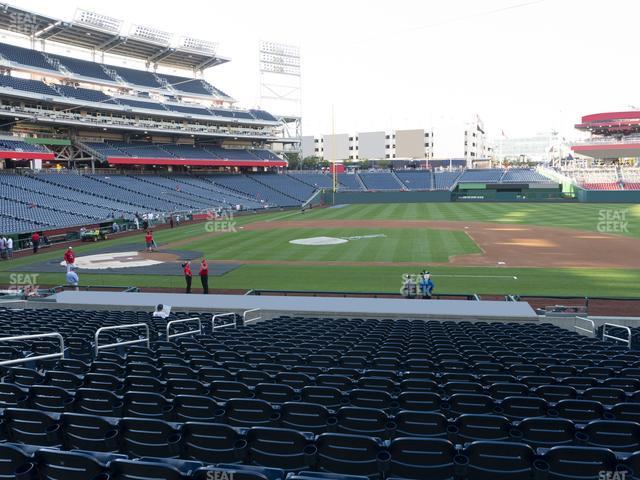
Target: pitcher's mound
318	241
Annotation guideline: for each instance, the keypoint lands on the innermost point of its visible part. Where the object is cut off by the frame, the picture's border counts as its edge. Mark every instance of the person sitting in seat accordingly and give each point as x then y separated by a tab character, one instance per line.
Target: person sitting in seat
162	311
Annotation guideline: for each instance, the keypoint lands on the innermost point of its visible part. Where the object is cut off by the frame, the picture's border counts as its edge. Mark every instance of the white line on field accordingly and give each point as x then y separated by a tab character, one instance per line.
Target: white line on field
478	276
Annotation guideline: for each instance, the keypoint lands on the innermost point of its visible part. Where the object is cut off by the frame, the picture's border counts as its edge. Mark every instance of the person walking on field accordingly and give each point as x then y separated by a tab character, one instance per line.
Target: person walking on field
186	267
204	276
148	238
70	257
35	240
9	247
72	278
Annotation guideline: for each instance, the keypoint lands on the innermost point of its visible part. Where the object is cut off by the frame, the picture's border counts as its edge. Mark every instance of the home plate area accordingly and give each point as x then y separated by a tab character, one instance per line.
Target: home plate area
129	260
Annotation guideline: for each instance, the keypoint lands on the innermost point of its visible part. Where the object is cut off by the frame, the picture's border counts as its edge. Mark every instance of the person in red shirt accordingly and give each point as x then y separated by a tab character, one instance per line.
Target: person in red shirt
148	238
69	256
35	240
204	276
186	268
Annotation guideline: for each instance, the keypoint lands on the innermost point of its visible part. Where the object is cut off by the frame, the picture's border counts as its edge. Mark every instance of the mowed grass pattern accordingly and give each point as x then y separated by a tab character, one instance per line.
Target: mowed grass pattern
579	216
397	245
449	279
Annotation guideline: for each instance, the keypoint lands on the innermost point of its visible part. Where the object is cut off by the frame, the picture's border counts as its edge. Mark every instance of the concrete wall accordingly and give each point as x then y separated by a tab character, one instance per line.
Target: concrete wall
308	146
336	147
410	144
371	145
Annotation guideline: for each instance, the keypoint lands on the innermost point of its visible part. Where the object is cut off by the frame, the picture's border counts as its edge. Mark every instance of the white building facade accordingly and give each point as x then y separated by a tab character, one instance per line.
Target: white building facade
414	144
544	147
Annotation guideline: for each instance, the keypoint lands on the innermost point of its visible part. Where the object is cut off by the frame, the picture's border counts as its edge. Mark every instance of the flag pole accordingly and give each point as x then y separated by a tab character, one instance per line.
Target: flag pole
333	152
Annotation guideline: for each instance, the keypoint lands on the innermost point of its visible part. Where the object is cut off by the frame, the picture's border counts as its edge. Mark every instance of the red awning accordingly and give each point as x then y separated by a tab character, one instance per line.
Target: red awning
608	150
26	155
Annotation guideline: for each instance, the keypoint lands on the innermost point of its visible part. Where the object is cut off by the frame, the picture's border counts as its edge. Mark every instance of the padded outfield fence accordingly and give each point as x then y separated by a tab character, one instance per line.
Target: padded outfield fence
518	194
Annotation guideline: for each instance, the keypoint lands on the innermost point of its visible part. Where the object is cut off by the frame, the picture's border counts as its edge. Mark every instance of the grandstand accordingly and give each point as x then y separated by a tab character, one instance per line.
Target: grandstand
381	181
300	398
45	200
630	178
613	136
76	99
416	179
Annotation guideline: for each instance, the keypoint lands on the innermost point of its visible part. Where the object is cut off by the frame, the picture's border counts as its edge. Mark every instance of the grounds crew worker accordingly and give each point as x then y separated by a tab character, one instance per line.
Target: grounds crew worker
69	256
204	276
186	267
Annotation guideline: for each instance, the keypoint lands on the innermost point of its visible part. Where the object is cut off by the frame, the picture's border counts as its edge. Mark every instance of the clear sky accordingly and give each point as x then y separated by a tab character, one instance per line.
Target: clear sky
524	66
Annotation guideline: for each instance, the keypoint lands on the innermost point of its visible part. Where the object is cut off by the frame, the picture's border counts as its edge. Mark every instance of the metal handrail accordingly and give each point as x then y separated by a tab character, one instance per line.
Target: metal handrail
591	330
99	347
244	316
37	357
215	327
188	332
613	337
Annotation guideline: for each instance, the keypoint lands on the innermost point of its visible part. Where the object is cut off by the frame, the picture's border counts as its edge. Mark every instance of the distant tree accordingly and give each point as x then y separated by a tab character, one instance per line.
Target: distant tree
294	160
310	163
383	163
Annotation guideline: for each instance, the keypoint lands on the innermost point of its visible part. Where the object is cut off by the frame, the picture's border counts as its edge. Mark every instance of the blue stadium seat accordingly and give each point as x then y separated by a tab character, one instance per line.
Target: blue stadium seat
498	460
243	412
213	443
280	448
32	427
142	437
59	465
89	432
420	424
469	428
421	458
350	454
545	432
306	417
567	462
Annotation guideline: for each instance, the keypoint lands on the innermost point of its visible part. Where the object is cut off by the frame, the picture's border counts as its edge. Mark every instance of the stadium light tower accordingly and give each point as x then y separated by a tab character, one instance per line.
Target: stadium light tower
280	89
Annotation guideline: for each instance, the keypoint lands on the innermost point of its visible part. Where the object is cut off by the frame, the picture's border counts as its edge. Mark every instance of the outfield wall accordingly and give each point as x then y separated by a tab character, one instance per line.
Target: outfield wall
607	196
339	198
528	195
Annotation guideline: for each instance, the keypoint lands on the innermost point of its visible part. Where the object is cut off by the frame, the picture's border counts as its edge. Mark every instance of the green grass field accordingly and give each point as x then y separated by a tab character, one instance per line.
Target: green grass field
398	245
581	216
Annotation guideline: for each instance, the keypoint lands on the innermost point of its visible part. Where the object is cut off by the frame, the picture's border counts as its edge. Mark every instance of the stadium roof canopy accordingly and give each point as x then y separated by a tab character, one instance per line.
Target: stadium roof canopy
103	34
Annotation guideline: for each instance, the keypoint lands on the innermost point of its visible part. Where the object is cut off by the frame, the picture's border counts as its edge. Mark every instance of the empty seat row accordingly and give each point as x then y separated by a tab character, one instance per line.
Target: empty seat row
291	451
275	405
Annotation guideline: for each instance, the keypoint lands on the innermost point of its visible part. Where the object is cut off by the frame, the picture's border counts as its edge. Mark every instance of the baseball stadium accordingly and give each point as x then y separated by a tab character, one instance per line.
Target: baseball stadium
183	299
